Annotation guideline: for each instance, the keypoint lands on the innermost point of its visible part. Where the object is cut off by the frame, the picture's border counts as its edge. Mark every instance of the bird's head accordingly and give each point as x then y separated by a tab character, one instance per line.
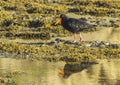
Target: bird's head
62	17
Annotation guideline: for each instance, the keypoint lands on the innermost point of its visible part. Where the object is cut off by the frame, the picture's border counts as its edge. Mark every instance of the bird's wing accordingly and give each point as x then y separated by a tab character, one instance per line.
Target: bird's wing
77	24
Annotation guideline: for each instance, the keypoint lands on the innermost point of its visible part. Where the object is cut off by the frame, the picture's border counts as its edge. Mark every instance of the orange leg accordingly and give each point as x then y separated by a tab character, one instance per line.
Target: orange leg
74	37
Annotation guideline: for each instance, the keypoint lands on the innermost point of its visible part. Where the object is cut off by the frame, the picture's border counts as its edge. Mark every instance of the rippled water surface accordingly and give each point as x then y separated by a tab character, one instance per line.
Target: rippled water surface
45	73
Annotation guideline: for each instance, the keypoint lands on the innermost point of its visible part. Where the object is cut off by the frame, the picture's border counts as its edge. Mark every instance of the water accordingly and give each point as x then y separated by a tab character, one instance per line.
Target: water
45	73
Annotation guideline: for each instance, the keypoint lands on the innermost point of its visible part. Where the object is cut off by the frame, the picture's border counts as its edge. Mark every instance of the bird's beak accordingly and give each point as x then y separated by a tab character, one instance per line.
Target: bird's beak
61	72
58	21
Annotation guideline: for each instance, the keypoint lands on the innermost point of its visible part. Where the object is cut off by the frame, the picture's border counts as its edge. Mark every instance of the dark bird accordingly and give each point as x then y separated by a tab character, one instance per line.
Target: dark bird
69	69
74	25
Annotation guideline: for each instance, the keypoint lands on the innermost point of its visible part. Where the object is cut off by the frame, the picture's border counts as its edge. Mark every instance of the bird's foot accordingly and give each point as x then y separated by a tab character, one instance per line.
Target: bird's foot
81	39
74	41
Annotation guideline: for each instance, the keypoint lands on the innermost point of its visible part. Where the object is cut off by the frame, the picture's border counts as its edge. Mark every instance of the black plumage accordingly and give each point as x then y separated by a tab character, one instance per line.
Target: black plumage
74	25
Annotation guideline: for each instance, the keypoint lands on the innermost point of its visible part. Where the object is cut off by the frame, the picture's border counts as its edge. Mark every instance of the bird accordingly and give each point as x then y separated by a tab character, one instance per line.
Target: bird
76	26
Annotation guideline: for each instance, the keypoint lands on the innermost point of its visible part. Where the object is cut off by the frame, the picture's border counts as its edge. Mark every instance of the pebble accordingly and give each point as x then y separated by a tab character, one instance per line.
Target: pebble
50	43
58	40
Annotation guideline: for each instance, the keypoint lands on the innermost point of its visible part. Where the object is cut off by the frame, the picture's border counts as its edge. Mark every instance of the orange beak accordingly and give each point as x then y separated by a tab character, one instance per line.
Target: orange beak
61	72
58	21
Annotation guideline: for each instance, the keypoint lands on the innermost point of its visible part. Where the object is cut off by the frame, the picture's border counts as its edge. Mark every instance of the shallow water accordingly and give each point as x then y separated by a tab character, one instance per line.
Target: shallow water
45	73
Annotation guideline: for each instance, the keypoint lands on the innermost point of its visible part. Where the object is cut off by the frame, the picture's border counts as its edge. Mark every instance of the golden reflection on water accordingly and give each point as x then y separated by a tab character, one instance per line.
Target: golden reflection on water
44	73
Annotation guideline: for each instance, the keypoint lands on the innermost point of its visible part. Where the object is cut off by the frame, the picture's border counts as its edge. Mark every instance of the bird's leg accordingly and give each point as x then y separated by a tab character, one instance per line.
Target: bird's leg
74	37
81	38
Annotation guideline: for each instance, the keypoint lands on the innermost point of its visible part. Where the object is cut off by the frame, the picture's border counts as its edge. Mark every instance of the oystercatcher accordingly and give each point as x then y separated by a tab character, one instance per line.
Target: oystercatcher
74	25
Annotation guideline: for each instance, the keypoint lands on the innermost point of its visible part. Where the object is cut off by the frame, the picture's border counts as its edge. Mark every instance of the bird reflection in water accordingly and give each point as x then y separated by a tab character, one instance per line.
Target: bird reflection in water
69	69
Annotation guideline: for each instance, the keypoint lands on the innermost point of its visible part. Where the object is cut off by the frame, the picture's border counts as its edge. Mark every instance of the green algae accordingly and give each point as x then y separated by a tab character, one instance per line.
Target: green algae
35	20
41	15
74	53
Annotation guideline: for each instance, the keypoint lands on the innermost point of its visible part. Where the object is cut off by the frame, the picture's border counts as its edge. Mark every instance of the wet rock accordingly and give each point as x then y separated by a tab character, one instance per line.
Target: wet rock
79	44
56	1
8	81
53	35
58	40
103	44
50	43
118	20
114	46
68	42
2	80
35	24
92	21
97	22
8	75
112	22
38	43
89	18
99	44
87	44
83	19
74	10
94	43
34	35
45	36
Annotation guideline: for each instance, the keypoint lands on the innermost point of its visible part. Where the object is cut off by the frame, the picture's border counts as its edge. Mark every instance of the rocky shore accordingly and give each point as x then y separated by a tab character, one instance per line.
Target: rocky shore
61	50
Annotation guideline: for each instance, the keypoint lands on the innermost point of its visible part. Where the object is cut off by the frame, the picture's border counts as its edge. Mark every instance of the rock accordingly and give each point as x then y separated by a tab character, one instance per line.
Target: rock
114	46
2	80
87	44
99	44
83	19
58	40
112	22
50	43
97	22
56	1
68	42
103	44
94	44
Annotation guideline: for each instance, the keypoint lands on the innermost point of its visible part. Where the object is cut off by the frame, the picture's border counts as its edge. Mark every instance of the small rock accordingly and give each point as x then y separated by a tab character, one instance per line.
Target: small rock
114	46
95	44
83	19
50	43
58	40
68	42
102	44
112	22
2	80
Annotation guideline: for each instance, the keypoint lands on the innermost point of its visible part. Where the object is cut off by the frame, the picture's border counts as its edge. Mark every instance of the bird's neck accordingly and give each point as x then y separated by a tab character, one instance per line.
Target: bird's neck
65	19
